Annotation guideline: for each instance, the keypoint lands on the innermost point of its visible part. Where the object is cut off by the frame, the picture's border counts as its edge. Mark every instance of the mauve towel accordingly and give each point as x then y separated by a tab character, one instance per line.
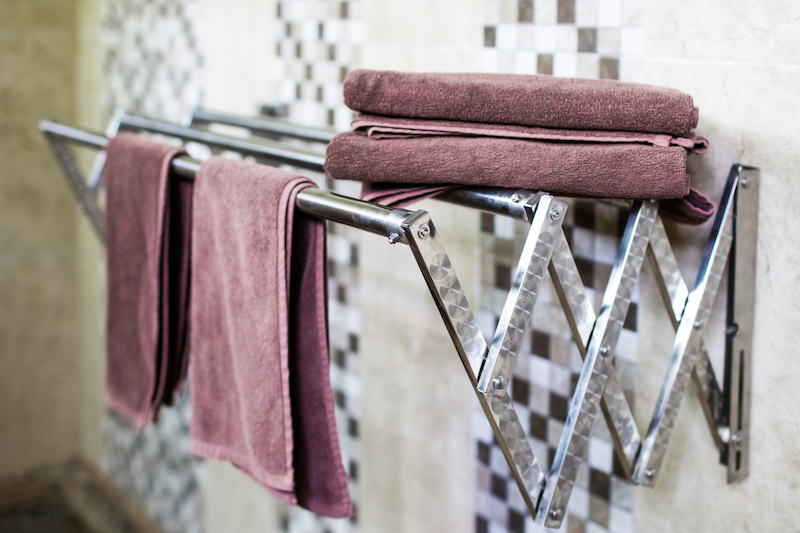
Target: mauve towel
526	100
261	395
147	246
377	127
605	170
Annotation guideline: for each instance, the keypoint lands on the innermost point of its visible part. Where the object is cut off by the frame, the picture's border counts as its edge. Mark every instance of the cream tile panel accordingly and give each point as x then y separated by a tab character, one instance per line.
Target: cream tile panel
749	115
728	30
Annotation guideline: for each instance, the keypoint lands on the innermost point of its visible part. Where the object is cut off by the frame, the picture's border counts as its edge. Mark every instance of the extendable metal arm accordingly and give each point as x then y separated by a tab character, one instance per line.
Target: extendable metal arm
489	367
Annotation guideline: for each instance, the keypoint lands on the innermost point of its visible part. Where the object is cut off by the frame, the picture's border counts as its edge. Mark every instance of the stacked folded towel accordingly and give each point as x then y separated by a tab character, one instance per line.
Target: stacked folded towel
593	138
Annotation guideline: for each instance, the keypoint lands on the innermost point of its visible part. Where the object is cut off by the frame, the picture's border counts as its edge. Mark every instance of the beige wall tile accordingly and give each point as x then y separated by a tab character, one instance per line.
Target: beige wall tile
749	116
763	32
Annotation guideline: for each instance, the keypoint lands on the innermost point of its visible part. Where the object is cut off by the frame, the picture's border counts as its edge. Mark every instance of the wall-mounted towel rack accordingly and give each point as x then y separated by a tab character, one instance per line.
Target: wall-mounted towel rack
488	365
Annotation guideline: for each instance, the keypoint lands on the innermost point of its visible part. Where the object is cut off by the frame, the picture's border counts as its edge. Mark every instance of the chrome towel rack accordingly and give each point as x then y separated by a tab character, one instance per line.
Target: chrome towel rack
489	365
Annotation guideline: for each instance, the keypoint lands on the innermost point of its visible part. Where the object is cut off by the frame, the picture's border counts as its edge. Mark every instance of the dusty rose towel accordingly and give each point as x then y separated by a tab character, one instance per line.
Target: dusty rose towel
261	395
378	127
525	100
606	170
147	245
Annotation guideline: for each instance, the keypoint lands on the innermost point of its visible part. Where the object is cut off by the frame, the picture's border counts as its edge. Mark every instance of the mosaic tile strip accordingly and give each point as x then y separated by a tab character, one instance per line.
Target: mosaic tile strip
153	66
568	38
320	42
153	62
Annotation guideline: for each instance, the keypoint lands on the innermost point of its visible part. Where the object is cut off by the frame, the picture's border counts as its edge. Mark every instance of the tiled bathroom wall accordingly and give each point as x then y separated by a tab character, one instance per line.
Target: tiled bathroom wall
153	65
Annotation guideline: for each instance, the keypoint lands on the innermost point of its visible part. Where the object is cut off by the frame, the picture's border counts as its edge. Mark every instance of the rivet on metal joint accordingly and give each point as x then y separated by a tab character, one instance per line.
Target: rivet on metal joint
555	514
516	198
423	231
698	324
744	182
394	238
649	473
605	351
736	440
555	213
499	382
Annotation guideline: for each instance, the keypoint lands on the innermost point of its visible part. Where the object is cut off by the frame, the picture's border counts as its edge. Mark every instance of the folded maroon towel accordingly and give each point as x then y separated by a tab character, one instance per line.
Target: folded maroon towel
147	244
605	170
261	395
378	127
537	100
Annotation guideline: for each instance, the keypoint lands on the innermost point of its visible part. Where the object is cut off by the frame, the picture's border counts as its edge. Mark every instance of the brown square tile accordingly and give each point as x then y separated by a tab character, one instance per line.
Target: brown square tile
540	344
525	11
598	511
587	40
566	11
489	36
575	524
609	68
538	427
544	64
520	391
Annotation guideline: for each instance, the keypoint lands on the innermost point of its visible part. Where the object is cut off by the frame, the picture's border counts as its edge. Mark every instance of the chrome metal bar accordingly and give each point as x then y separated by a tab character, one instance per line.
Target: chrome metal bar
262	148
581	318
447	292
675	293
518	309
330	206
594	375
263	125
739	341
687	342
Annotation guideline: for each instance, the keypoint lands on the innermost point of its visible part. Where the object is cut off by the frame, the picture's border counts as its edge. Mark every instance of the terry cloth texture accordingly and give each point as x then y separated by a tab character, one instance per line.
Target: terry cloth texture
605	170
148	225
261	395
537	100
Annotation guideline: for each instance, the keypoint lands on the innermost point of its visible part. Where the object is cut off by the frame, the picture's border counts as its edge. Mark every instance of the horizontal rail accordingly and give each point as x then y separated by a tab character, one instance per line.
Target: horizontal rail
264	126
327	205
256	147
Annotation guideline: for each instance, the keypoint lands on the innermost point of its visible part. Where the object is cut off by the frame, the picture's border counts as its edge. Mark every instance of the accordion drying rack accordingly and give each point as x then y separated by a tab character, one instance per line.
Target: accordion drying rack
489	365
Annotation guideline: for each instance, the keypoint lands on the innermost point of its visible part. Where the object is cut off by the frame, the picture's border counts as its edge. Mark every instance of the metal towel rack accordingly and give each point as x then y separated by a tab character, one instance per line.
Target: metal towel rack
489	365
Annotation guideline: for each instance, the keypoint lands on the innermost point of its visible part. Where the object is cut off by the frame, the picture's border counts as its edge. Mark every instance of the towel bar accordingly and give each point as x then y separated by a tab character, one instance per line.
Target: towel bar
488	365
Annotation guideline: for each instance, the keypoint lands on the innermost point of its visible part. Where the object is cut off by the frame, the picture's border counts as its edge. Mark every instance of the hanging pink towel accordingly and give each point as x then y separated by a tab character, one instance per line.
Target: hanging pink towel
260	388
147	243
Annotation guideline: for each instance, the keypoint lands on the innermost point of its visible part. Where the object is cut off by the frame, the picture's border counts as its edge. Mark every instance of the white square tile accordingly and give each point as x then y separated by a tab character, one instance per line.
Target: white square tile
333	31
540	372
565	64
507	61
526	36
632	69
586	13
609	13
506	37
588	65
491	12
309	30
591	527
605	248
627	346
560	380
583	243
619	520
566	38
525	62
545	12
504	227
546	39
633	13
632	41
601	454
608	41
490	60
579	503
